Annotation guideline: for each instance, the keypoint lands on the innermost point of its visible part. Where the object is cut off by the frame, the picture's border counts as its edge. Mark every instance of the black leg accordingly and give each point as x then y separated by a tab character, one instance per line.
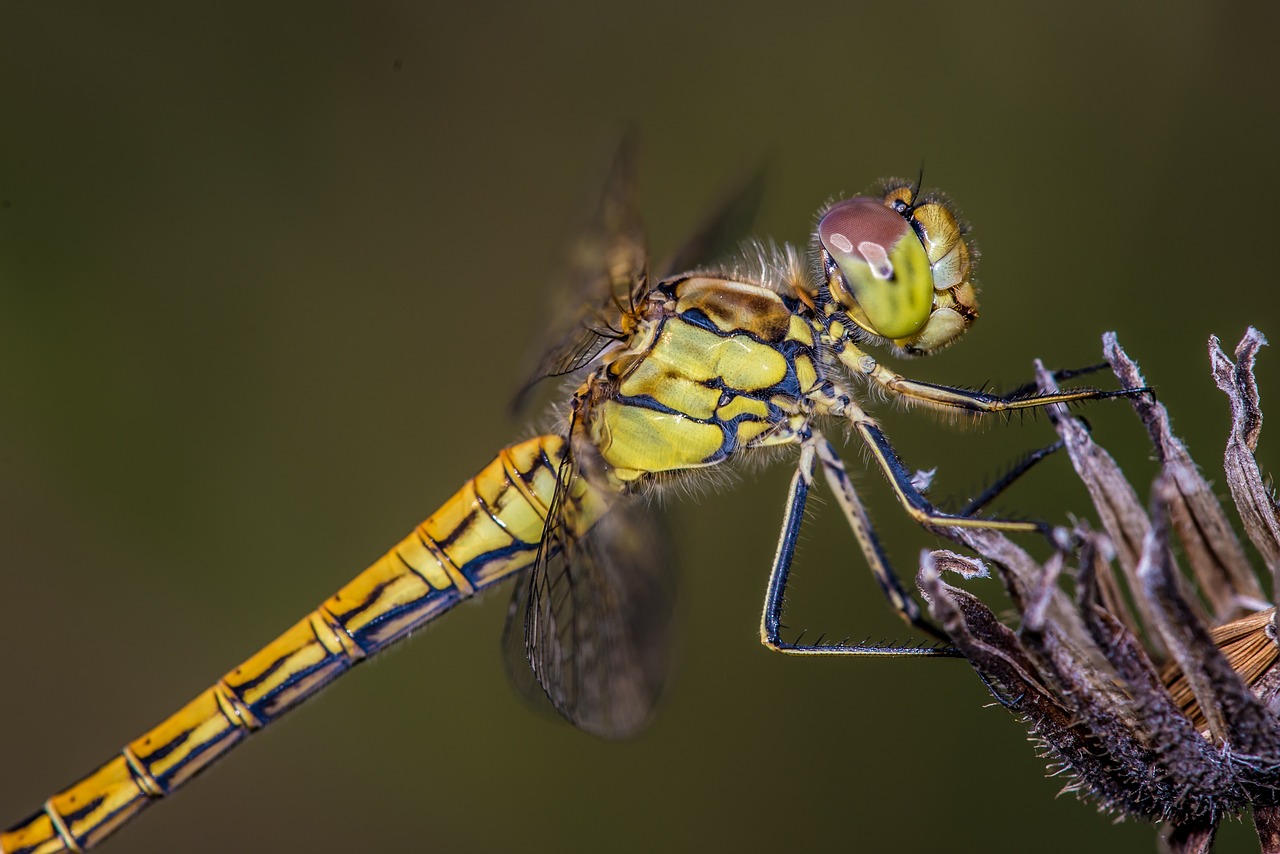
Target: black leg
771	617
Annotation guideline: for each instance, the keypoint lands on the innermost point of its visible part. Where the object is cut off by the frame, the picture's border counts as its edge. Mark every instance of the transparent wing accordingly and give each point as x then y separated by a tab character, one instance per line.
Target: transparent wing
607	274
588	628
723	229
607	270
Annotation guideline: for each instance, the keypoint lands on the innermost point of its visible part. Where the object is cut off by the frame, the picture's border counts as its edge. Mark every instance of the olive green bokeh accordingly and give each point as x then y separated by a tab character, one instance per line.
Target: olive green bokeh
267	278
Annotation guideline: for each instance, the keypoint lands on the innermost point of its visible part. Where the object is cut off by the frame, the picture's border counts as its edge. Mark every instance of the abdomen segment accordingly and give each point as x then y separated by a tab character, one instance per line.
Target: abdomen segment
488	531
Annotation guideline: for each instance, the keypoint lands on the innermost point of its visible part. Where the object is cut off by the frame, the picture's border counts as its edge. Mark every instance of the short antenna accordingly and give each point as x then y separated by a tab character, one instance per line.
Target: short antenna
915	193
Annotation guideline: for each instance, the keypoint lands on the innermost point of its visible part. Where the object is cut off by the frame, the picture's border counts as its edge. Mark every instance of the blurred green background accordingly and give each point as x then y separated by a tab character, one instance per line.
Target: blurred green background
268	275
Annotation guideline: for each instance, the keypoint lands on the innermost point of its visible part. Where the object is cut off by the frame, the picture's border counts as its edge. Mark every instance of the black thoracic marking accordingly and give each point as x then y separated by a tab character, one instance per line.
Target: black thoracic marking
668	289
789	385
791	348
698	317
716	383
728	445
729	432
644	401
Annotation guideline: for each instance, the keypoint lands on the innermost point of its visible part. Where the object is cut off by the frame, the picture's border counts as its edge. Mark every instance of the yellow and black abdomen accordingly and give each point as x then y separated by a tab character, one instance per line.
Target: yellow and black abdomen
724	364
489	530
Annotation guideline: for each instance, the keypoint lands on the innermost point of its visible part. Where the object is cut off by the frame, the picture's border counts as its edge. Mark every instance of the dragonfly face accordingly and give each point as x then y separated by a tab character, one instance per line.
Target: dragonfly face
681	375
720	364
900	270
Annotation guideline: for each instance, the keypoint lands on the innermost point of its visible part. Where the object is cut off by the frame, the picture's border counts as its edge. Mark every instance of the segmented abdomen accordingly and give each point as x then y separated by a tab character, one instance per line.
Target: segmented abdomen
486	532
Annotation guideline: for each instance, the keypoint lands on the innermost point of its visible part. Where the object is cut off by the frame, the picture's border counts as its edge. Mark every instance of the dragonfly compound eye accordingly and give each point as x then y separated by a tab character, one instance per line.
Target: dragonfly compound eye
878	269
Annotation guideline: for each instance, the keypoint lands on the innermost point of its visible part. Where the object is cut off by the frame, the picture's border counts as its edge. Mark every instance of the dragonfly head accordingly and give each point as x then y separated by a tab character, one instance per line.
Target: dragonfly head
898	269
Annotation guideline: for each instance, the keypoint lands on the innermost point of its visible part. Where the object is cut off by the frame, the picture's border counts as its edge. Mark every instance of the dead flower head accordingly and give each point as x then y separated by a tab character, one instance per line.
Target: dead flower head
1159	703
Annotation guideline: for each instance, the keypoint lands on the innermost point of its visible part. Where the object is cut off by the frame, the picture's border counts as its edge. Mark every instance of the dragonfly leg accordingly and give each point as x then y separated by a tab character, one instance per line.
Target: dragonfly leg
1058	376
860	523
919	507
1006	480
970	400
797	495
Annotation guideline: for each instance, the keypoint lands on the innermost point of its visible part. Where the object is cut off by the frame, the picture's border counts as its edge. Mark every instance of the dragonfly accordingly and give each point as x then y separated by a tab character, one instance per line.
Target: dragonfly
670	377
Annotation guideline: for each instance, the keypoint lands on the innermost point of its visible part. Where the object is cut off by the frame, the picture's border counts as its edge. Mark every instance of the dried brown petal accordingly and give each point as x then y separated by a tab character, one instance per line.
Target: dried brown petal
1210	546
1267	821
1189	838
991	647
1119	509
1021	576
995	652
1185	747
1234	715
1183	757
1257	511
1094	729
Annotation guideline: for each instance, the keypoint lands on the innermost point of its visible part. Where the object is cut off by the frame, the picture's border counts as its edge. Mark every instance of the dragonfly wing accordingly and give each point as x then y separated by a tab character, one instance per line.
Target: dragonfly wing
607	272
588	629
727	224
607	269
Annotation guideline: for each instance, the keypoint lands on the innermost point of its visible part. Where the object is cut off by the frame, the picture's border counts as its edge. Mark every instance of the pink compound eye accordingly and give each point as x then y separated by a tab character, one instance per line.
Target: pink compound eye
882	275
861	229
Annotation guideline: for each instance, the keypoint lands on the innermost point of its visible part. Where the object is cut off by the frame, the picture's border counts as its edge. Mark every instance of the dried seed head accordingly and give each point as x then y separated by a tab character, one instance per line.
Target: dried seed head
1157	694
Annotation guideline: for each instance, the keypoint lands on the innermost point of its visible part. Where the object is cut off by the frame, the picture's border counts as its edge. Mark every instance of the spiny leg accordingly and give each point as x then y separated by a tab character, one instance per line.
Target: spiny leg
920	508
1062	375
856	515
1006	480
797	495
984	401
977	402
949	398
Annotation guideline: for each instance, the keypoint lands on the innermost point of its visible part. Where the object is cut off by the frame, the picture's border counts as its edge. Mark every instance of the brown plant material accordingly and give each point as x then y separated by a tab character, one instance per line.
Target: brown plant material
1155	694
